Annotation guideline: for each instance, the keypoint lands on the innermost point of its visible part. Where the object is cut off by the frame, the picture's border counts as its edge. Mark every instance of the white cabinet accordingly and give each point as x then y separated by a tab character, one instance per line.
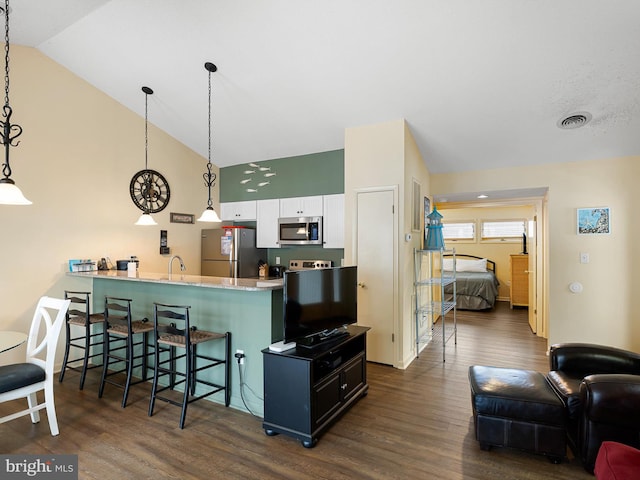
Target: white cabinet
301	206
268	212
333	221
238	211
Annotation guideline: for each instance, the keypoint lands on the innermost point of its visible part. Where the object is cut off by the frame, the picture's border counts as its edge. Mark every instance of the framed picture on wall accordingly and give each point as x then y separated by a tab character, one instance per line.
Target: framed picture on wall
594	221
182	218
427	210
416	200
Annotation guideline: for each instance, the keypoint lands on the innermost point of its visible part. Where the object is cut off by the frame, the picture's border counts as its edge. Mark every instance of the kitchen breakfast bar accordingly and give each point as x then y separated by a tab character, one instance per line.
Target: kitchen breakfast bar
251	309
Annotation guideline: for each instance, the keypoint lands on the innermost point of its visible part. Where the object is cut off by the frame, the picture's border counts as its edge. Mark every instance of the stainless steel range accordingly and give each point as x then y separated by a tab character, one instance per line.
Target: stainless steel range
309	264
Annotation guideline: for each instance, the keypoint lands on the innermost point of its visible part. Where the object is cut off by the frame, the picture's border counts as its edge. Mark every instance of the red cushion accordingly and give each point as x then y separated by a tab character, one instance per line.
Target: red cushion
616	461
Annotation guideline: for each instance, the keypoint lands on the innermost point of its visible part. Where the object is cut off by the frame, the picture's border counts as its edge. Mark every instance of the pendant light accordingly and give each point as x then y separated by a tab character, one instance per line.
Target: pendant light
209	214
146	219
10	194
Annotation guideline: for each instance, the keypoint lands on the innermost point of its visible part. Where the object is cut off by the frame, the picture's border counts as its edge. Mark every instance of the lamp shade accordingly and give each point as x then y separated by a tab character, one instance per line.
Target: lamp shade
146	220
209	215
10	194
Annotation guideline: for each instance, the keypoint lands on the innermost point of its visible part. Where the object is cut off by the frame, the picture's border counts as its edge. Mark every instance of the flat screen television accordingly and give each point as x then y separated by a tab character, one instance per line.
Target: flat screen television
319	303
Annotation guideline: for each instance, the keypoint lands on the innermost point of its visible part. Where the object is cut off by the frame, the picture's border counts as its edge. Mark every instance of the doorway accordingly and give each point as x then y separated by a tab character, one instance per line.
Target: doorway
536	241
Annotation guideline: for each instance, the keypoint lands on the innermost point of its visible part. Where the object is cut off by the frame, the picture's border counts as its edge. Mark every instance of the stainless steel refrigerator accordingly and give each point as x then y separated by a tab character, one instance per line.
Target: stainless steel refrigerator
231	252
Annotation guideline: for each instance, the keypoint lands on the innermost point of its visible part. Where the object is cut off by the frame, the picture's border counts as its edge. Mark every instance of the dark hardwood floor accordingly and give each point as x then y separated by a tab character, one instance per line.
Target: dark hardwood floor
413	424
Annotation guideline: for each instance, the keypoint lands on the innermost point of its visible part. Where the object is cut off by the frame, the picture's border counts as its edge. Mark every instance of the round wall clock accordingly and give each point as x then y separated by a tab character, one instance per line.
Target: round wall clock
149	191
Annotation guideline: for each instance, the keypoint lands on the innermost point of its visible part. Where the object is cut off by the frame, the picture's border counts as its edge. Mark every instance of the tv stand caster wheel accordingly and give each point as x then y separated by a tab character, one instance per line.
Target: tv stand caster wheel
270	432
309	443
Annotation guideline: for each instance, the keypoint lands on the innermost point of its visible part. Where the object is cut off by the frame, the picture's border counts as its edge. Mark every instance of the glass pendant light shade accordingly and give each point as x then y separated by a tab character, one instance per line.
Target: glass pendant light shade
146	220
10	194
209	215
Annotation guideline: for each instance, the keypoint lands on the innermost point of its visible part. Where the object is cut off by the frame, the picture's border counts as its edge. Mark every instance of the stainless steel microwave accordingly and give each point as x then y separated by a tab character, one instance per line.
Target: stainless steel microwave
300	231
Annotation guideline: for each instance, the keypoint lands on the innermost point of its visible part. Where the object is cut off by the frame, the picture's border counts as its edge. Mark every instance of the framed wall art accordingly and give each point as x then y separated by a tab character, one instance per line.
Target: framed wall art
416	201
594	221
427	211
182	218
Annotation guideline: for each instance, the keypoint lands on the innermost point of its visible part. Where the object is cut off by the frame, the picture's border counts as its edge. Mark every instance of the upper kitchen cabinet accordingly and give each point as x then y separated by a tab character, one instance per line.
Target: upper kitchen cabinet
301	206
267	223
333	221
238	211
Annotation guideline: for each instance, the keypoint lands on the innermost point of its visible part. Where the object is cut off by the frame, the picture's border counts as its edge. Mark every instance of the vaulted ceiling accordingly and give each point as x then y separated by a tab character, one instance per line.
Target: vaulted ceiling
482	84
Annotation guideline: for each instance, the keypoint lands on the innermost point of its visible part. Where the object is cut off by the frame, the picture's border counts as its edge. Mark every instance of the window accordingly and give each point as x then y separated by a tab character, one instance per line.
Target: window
459	231
503	230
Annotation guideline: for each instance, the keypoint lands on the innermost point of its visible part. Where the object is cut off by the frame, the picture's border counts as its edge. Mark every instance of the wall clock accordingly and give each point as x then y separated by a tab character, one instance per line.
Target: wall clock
149	191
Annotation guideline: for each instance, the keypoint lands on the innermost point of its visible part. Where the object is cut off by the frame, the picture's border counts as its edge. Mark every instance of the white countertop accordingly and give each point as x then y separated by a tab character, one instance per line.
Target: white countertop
249	284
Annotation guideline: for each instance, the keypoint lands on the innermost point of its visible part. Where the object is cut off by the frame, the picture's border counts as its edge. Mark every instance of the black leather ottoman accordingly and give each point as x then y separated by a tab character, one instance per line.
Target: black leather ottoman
518	409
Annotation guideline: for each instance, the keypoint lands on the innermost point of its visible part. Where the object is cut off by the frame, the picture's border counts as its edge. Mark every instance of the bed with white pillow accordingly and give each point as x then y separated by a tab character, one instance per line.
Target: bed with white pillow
476	282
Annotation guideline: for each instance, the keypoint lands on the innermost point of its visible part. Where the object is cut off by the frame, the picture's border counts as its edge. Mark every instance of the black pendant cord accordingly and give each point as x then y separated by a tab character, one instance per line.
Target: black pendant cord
209	176
8	132
147	175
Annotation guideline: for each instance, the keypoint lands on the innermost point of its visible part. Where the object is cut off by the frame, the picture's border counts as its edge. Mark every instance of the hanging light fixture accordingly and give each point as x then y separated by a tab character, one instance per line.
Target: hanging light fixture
10	194
148	188
209	214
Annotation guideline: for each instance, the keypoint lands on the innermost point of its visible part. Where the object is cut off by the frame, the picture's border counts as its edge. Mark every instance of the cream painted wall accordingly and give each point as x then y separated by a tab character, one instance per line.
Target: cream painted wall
497	251
414	169
608	310
76	157
380	156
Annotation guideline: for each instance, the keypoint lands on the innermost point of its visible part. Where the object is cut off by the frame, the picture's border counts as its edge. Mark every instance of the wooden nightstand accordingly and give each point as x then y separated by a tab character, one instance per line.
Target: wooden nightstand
519	280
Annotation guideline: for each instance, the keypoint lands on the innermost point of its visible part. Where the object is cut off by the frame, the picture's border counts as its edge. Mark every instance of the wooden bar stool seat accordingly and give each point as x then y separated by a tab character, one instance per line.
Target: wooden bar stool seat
172	330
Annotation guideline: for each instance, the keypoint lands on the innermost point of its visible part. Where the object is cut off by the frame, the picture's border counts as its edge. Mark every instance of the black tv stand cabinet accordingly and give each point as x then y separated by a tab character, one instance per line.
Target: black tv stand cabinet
307	390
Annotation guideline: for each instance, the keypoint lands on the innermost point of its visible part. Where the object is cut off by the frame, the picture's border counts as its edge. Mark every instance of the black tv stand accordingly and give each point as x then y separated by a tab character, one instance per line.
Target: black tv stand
307	389
322	338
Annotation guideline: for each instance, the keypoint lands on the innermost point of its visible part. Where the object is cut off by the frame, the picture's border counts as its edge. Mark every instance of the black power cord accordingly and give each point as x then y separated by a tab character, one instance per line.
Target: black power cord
239	357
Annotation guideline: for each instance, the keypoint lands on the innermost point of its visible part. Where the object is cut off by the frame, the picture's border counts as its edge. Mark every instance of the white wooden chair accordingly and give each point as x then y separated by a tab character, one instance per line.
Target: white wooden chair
25	380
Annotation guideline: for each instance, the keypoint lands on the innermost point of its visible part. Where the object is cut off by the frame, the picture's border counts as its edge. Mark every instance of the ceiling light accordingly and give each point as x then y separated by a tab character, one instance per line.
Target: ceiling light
209	214
10	194
575	120
483	196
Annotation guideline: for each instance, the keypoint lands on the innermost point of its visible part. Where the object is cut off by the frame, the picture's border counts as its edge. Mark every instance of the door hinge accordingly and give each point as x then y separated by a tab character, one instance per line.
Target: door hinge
393	209
393	337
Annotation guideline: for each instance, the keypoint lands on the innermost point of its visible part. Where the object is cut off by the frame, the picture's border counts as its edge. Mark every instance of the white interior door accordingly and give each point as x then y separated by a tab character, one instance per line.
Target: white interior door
531	241
374	255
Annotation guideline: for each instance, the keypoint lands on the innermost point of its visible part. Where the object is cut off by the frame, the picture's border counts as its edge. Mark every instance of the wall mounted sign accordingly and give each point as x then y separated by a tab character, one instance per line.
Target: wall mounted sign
182	218
594	221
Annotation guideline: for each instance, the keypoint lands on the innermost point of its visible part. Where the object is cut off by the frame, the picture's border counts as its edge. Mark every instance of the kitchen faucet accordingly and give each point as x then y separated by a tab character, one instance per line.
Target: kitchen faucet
182	267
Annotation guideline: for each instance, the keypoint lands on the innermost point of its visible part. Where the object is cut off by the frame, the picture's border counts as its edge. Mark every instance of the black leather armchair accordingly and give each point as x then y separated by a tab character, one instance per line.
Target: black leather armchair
600	387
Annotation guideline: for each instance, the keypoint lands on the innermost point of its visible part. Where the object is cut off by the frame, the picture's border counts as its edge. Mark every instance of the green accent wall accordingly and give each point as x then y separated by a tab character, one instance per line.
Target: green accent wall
300	176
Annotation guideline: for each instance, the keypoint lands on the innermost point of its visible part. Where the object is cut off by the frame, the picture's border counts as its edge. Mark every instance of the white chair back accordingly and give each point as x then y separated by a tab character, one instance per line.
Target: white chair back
45	331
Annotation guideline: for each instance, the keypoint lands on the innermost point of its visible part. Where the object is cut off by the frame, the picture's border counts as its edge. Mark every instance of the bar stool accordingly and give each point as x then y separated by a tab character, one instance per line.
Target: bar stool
172	330
79	315
120	332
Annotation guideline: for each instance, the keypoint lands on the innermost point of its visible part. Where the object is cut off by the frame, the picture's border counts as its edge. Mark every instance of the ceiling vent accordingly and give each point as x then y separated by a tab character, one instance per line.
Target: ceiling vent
575	120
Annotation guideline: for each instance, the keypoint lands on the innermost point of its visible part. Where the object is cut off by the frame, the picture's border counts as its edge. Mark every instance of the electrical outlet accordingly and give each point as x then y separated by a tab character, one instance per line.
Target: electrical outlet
240	356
